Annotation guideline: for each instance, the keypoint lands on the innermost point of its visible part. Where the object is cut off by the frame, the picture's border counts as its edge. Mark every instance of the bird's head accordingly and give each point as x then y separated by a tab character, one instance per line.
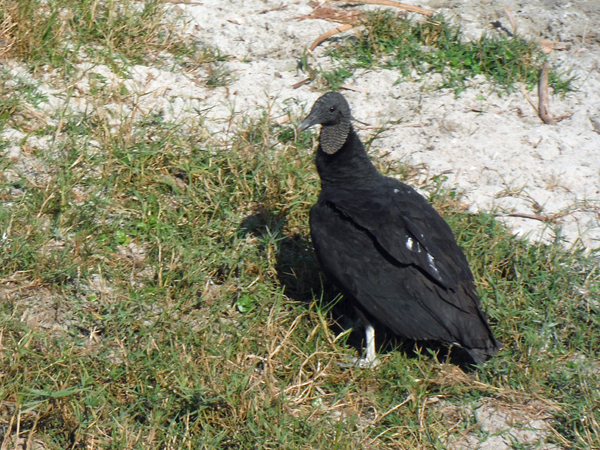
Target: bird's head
331	111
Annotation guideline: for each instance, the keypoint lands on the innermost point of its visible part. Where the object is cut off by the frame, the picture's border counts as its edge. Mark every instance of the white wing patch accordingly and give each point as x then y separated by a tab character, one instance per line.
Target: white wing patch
412	245
432	265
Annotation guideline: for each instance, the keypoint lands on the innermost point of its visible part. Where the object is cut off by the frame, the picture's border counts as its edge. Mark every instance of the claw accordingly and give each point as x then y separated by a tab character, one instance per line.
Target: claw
361	363
370	360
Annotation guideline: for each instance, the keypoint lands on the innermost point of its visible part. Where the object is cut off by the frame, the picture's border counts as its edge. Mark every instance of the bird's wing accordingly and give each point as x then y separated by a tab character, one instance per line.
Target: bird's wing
405	297
407	228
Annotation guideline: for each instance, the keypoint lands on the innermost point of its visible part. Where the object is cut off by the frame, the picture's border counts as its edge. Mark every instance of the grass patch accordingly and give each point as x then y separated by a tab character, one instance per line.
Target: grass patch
18	100
434	45
60	34
159	291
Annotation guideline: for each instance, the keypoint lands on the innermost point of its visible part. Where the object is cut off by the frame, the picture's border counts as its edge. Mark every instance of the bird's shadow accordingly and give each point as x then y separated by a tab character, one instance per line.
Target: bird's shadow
299	273
297	267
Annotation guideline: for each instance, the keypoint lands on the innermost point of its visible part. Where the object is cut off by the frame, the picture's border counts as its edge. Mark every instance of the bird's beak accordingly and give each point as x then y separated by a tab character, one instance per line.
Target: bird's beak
308	122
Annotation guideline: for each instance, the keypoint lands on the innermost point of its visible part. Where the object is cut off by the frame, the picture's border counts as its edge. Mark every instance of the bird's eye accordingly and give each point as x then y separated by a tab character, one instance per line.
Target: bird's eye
332	109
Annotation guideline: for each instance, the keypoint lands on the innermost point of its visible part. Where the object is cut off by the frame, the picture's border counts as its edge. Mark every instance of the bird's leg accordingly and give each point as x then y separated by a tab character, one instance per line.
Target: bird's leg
371	356
369	361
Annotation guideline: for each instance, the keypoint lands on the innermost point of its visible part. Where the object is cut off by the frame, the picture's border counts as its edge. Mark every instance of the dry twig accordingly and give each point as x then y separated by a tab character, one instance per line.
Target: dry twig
411	397
547	45
529	216
544	110
300	83
333	15
511	18
182	2
350	19
410	8
324	36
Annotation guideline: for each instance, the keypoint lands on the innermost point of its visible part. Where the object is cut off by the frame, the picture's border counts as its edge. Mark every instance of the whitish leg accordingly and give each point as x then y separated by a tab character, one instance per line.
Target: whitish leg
370	360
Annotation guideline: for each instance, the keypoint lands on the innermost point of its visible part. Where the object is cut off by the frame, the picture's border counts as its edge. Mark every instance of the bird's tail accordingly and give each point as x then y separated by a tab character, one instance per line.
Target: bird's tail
480	356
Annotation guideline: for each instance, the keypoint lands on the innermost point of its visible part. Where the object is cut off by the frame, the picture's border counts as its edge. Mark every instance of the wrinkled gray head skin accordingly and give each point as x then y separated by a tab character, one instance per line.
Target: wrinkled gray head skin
331	111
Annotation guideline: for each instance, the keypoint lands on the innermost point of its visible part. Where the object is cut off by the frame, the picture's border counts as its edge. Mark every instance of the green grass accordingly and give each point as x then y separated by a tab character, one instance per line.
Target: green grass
198	340
158	291
435	46
59	34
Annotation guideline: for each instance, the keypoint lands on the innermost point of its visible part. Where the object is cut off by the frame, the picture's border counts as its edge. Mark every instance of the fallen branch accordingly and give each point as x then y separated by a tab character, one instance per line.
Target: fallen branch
334	15
349	20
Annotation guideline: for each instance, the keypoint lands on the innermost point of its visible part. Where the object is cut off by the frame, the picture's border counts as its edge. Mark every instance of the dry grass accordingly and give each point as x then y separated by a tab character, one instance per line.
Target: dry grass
59	35
158	290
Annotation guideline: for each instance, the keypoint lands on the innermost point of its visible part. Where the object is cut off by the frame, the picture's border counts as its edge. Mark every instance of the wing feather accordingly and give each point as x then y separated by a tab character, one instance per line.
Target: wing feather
394	284
408	228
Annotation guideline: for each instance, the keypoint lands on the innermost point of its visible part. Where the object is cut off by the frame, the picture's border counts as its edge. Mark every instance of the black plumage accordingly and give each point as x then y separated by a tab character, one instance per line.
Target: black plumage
386	248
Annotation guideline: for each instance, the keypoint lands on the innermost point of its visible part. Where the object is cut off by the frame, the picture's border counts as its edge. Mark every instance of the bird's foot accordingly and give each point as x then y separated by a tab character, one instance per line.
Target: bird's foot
361	363
370	360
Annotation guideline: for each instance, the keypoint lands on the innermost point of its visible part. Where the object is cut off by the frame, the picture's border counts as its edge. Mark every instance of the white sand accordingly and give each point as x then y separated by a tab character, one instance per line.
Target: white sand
494	149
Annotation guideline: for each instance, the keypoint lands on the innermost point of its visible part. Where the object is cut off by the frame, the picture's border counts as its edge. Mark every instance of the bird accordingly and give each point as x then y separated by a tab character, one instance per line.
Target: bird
386	249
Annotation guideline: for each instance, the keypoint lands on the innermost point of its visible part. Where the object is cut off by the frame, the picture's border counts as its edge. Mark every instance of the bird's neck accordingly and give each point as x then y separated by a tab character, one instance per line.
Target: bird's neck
349	166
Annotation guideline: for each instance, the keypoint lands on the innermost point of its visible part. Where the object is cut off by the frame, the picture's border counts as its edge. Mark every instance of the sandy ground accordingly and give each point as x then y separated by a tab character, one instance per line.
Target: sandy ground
495	151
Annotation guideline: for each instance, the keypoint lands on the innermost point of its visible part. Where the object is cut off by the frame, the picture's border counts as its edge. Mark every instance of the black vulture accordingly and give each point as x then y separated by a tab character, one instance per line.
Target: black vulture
386	248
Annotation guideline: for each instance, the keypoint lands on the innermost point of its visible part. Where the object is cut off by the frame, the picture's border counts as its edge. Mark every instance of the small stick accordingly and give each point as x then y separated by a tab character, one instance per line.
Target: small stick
183	2
529	100
511	18
528	216
352	88
410	8
300	83
179	2
279	8
332	32
543	95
